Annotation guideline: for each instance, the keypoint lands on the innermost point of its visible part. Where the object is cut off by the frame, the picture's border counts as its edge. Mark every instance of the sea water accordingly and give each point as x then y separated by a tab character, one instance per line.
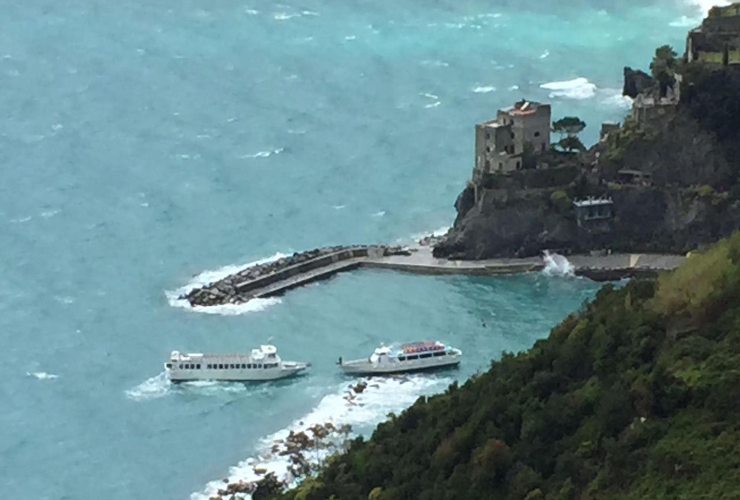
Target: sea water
144	143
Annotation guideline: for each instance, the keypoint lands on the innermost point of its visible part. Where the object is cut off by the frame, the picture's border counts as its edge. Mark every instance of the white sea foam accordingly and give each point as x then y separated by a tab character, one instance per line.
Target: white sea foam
379	213
613	98
556	265
253	305
152	388
251	12
433	104
484	89
42	375
429	96
440	231
362	411
545	54
46	214
514	87
263	154
284	16
211	276
338	207
21	220
578	88
435	63
350	37
160	386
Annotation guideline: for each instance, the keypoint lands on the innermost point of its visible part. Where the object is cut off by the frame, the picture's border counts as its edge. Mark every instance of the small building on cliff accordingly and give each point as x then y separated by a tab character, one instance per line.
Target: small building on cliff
501	144
593	210
717	40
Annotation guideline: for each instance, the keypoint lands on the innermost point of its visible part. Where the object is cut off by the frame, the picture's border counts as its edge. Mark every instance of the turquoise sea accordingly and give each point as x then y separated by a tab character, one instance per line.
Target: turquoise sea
144	143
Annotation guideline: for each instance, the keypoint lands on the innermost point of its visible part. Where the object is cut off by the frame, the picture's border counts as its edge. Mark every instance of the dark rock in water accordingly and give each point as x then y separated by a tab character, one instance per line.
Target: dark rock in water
636	82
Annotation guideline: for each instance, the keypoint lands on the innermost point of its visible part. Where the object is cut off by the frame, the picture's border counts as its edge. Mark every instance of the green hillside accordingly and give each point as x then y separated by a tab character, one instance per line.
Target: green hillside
635	396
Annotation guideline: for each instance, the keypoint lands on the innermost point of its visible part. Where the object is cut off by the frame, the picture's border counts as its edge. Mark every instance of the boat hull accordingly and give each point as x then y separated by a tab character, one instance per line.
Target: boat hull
247	375
365	367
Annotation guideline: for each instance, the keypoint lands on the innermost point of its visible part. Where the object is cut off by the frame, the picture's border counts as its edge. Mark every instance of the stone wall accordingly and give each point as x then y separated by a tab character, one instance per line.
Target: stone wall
243	285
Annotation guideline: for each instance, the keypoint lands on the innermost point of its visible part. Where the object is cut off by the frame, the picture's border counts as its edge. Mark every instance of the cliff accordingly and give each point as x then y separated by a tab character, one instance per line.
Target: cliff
635	396
671	171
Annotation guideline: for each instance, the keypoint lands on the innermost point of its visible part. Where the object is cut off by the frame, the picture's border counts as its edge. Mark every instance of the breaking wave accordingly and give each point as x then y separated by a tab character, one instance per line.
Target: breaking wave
578	88
361	410
151	388
557	265
207	277
160	386
441	231
42	375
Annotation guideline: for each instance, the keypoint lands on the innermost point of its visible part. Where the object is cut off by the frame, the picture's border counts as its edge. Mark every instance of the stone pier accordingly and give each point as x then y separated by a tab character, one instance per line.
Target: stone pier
276	277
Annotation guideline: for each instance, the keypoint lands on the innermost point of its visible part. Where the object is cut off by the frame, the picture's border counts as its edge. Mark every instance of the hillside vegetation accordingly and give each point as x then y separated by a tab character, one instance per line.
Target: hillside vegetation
635	396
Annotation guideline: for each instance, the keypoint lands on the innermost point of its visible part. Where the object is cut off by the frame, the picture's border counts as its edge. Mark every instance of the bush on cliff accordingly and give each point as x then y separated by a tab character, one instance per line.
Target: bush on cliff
635	396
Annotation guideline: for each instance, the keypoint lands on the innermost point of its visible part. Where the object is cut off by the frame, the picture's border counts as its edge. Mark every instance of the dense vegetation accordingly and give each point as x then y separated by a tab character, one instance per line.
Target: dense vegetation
635	396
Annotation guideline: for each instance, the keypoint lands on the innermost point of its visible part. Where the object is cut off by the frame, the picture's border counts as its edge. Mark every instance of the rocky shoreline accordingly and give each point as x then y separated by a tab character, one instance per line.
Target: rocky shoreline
242	286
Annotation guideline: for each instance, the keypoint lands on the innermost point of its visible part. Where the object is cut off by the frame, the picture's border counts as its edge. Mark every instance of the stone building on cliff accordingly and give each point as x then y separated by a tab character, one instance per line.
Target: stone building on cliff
501	144
717	40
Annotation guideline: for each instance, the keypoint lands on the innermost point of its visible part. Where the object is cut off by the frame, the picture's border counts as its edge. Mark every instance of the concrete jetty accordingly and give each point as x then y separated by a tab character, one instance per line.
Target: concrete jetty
277	277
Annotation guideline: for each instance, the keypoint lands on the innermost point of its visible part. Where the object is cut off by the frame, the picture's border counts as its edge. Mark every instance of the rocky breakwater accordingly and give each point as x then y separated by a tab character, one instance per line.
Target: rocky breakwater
271	278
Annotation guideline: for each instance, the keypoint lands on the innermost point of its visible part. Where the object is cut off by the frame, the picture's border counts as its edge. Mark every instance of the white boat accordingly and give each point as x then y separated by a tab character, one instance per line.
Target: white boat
260	365
412	357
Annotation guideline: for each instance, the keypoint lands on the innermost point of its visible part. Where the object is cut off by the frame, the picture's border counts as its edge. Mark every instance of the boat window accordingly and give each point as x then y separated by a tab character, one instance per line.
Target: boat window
402	358
220	366
197	366
415	356
426	355
169	365
259	366
187	366
440	354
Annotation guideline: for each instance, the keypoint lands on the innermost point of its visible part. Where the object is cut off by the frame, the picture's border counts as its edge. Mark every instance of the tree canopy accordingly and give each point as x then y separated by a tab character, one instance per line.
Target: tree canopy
663	67
570	126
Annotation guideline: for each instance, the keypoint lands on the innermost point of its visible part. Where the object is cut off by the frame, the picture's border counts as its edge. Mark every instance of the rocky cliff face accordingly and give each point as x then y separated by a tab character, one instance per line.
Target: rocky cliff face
691	153
646	219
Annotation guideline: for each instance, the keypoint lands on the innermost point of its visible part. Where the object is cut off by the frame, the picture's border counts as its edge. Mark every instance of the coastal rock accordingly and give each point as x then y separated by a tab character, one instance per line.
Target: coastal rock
685	155
636	82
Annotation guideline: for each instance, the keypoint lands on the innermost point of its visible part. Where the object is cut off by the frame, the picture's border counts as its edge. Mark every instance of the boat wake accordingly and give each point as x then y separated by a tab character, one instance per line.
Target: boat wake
207	277
557	265
160	386
152	388
361	405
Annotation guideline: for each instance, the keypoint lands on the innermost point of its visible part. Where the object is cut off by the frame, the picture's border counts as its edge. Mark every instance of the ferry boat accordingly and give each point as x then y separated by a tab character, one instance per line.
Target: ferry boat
260	365
411	357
